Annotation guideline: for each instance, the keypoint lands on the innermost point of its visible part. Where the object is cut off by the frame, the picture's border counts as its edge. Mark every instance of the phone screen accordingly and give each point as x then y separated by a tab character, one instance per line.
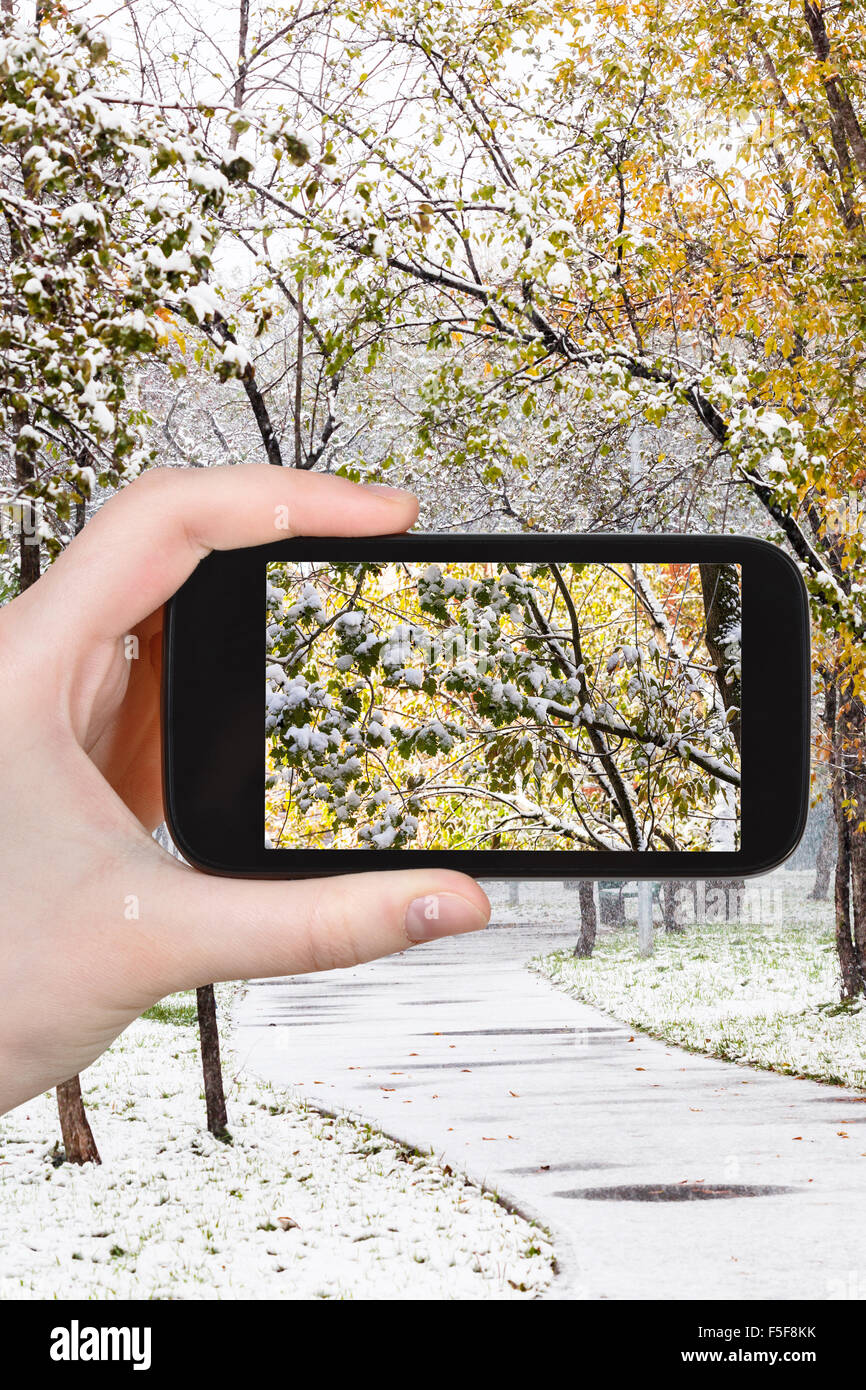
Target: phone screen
498	706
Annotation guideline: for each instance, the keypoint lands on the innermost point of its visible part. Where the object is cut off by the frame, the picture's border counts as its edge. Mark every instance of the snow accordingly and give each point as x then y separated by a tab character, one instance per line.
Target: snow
173	1213
102	417
208	179
237	356
77	213
306	738
379	248
85	478
203	301
559	278
763	991
351	621
456	1046
770	422
386	838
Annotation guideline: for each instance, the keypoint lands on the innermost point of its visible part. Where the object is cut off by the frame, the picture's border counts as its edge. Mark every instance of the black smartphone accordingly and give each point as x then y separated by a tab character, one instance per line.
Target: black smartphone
521	706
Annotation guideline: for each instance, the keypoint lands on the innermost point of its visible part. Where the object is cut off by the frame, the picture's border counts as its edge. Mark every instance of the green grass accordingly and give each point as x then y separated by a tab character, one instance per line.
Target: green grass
179	1009
766	996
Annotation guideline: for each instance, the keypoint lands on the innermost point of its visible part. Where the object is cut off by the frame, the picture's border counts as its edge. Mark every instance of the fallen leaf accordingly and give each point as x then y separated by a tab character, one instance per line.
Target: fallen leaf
288	1223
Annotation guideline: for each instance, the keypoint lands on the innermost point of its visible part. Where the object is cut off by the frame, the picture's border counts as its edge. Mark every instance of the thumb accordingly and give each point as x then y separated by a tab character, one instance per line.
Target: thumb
211	929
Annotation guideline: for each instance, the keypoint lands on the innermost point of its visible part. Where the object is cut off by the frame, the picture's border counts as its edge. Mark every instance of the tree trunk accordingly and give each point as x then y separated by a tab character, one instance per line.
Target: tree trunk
854	724
731	891
241	79
670	894
217	1118
720	585
299	380
849	930
824	861
78	1142
611	906
588	918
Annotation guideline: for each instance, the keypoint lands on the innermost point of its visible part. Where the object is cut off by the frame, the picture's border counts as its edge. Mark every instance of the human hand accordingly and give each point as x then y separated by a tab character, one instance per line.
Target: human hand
82	787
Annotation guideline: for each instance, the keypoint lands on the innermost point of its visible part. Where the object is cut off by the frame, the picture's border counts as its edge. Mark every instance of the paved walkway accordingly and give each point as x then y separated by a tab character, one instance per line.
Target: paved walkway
628	1149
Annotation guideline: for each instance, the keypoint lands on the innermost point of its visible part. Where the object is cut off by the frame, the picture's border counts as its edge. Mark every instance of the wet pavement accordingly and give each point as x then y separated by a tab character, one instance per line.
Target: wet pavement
660	1173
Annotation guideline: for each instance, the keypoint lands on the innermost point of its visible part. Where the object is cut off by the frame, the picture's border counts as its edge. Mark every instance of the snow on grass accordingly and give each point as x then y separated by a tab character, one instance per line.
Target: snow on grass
765	995
174	1213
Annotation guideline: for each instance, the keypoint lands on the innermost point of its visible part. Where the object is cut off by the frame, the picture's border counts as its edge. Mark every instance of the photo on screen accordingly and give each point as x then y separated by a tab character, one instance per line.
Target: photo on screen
497	706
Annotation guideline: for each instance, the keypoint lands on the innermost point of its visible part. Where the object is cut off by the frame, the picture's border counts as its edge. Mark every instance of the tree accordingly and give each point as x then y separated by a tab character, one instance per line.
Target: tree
106	249
489	706
824	861
588	919
544	195
214	1090
721	589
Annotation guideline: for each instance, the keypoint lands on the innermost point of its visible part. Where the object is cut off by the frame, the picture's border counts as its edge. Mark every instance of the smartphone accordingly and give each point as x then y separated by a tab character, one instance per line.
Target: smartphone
528	706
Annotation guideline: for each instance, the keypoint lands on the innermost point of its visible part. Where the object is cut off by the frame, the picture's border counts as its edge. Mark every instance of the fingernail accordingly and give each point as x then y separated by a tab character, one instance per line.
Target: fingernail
388	491
442	914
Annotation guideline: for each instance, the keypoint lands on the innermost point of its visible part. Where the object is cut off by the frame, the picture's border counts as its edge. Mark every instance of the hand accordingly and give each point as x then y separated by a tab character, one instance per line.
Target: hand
82	791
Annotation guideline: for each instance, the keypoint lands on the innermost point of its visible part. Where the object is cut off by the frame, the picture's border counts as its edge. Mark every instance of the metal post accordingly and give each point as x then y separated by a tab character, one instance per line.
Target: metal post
645	918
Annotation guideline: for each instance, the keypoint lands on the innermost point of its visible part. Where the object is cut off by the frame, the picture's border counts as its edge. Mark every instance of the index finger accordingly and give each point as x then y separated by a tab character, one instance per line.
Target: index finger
140	547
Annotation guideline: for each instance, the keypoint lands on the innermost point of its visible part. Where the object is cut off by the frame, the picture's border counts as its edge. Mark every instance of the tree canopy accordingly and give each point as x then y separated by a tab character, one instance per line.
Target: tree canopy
478	706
